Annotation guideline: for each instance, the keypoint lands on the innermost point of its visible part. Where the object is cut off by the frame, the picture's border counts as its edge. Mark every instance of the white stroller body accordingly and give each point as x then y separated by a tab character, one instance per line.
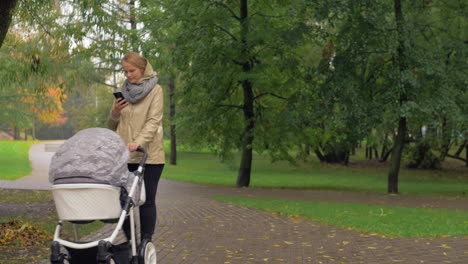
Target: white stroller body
91	182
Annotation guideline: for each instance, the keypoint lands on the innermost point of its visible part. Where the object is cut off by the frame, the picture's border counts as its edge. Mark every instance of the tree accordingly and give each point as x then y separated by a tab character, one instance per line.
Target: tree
238	72
38	68
403	67
6	12
400	81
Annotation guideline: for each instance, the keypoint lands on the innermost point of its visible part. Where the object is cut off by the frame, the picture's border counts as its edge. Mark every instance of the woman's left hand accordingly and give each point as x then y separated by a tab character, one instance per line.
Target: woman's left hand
132	146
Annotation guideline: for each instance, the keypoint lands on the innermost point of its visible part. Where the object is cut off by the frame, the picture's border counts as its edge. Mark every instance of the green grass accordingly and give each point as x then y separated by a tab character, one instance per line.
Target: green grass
23	196
14	159
388	221
205	168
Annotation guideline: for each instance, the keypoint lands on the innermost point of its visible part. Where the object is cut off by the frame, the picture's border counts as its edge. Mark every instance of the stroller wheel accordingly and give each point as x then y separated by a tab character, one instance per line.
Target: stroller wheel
148	253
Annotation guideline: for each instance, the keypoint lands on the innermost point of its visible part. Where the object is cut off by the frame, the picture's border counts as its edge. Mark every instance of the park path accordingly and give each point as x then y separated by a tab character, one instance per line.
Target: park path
39	156
194	229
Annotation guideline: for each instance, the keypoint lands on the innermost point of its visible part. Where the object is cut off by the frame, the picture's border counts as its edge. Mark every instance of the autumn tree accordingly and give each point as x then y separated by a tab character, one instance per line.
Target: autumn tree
38	67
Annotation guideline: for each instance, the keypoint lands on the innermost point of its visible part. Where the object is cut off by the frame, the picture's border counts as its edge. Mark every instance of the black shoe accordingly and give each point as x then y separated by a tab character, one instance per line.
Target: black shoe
141	248
145	237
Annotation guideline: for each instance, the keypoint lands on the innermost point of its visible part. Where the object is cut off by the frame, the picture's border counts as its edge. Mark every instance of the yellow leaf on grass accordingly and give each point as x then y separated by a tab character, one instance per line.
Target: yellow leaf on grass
276	245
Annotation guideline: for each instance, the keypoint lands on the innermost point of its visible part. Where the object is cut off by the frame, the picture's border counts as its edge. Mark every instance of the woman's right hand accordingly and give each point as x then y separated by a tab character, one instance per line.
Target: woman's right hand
119	104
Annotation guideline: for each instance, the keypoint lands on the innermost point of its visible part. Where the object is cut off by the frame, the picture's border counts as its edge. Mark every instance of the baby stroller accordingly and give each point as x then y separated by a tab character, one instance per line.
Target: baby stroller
91	182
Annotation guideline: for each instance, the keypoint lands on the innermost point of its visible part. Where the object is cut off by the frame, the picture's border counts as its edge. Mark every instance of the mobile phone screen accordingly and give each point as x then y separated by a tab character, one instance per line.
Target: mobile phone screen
118	95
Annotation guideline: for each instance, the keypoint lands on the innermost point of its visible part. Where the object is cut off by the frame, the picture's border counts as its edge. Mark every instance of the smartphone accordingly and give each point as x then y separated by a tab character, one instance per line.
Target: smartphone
118	95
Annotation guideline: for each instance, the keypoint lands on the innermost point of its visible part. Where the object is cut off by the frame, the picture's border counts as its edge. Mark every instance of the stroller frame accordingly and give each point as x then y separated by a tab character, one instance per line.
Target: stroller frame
104	245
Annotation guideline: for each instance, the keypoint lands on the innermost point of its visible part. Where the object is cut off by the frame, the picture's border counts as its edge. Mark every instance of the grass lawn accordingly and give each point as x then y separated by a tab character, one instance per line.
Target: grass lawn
359	176
14	159
388	221
204	167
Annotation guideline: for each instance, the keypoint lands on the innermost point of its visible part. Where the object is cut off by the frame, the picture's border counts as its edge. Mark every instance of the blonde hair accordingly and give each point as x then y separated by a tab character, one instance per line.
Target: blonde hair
136	60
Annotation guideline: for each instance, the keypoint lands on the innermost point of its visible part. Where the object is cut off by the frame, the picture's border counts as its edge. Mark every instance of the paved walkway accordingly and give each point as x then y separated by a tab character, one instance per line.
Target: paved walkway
195	229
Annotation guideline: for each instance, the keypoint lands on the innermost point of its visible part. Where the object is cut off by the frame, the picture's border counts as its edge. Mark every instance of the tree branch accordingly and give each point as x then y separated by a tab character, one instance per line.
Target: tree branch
46	31
263	15
231	106
227	32
272	94
456	157
106	84
227	7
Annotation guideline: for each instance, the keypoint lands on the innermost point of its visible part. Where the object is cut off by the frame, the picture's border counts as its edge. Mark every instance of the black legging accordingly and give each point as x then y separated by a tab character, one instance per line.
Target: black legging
148	211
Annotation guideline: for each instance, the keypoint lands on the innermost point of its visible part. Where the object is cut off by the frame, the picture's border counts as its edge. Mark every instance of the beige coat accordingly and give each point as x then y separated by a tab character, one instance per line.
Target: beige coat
141	123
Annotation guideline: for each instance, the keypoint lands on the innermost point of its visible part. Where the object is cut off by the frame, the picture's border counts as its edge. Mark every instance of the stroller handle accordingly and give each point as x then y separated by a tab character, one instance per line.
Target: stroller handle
145	156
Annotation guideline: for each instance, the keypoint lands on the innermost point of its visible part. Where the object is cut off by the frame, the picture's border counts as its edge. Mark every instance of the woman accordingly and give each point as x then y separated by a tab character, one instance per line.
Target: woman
138	120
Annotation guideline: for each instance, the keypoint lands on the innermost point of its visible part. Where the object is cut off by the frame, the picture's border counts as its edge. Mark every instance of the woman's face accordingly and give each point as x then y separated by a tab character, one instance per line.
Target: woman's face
132	73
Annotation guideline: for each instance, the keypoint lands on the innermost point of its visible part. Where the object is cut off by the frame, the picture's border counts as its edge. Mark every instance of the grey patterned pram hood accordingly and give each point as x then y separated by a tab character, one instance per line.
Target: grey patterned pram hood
93	155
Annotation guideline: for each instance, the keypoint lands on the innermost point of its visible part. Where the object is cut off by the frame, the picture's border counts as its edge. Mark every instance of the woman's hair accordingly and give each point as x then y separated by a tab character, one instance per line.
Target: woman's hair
136	60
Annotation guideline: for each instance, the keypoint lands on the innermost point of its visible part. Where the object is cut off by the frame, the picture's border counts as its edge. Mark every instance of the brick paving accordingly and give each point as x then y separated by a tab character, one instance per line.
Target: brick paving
193	229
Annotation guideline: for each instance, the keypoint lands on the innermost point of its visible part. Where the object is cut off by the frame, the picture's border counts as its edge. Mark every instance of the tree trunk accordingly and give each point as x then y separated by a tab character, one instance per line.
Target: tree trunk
6	12
460	149
319	155
15	133
376	153
466	162
173	155
396	156
402	67
445	139
383	151
133	26
243	178
386	155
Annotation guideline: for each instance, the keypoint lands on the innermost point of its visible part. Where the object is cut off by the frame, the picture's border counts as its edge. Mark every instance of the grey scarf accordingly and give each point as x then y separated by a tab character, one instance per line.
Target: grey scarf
134	92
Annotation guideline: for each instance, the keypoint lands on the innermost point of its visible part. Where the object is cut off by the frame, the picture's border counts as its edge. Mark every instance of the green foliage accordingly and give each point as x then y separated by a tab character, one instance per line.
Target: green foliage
326	75
388	221
358	84
38	68
90	109
207	44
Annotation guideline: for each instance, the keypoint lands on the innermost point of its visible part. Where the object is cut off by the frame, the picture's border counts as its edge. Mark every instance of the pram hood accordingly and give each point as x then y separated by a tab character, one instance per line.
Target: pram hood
93	155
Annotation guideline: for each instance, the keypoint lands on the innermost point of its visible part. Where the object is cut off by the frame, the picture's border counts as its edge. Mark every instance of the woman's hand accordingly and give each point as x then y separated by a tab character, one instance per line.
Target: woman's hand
119	104
132	146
